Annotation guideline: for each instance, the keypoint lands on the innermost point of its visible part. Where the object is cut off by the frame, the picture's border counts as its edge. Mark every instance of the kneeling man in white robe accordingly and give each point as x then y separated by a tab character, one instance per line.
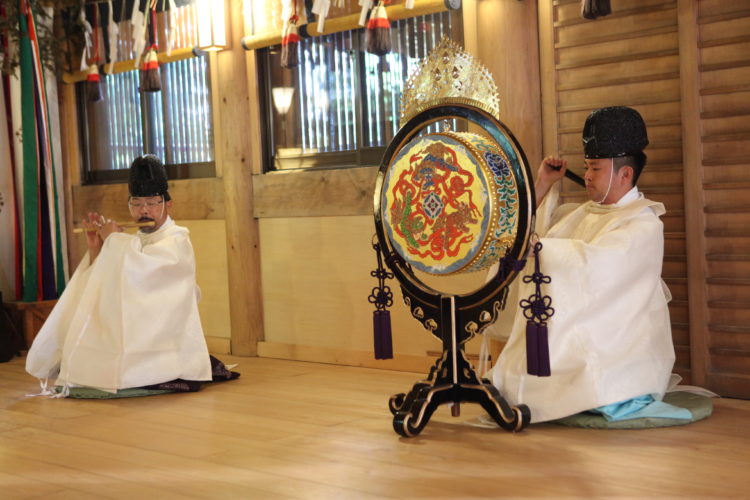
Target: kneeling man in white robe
610	340
129	316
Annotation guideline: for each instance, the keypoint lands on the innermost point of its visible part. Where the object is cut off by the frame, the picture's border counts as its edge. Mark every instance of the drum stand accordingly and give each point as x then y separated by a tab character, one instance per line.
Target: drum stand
452	380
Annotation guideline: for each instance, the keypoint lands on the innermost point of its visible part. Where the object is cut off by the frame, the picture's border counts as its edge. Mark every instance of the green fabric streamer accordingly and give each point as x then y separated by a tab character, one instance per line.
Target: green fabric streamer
30	166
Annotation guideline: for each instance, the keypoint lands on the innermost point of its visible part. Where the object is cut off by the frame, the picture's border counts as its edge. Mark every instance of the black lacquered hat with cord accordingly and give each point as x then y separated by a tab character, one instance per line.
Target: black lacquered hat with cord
148	177
613	132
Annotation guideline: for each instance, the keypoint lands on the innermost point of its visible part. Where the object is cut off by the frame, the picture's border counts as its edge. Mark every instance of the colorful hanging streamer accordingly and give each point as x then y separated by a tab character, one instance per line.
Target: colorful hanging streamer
40	263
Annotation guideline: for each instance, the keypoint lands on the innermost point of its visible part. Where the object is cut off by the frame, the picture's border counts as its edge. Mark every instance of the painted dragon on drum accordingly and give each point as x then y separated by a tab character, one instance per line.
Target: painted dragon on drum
423	195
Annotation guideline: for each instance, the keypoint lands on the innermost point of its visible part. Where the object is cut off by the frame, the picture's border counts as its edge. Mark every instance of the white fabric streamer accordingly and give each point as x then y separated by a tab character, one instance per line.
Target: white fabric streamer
366	6
320	8
87	31
138	21
172	26
113	31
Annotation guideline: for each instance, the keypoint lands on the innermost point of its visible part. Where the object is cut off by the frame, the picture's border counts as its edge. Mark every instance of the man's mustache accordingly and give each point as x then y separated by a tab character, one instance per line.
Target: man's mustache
146	219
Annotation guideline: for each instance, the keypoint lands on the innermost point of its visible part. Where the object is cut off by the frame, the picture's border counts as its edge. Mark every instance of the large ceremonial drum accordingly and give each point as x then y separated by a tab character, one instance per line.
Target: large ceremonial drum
449	203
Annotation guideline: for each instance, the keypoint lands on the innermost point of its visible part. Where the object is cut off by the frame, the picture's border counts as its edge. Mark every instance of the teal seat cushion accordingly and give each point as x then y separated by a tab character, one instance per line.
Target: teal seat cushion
90	393
700	407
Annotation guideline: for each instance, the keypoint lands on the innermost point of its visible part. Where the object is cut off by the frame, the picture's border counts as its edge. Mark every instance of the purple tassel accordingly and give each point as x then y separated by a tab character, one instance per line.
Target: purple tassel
532	351
543	365
382	334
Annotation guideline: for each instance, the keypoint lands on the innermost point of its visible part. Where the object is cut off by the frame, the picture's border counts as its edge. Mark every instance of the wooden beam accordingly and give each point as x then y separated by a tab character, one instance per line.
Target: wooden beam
194	199
548	77
311	193
692	154
71	167
129	64
243	239
345	23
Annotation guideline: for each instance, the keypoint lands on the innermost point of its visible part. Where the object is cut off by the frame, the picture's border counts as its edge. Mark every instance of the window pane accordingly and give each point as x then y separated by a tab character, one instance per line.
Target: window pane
340	100
123	135
313	105
185	111
174	123
384	77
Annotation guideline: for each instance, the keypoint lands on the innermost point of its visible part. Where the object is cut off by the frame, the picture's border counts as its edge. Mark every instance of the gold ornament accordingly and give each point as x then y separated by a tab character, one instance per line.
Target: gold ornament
449	75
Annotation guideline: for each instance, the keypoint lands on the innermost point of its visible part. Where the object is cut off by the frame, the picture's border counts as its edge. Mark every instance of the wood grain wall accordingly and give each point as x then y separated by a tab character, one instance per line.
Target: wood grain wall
722	55
684	65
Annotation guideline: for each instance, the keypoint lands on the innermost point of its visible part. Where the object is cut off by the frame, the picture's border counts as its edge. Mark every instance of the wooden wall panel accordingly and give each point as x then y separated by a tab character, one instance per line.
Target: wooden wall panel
685	65
724	65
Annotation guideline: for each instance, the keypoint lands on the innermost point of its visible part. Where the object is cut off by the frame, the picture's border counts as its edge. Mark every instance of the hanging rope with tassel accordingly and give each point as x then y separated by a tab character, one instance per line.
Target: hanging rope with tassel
382	297
537	310
290	40
150	77
378	32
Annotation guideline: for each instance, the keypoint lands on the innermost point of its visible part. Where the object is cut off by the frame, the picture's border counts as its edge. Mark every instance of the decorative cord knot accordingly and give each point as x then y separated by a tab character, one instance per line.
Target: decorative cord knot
537	309
382	297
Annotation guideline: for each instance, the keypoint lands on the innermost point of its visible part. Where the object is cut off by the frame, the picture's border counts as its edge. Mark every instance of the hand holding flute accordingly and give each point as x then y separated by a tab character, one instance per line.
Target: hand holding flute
97	230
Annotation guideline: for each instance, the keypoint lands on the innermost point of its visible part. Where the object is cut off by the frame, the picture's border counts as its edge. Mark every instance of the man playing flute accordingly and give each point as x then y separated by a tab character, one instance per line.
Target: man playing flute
129	316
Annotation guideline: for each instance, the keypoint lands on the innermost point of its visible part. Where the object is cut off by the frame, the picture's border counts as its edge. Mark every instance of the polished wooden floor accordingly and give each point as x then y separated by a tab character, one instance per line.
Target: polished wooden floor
301	430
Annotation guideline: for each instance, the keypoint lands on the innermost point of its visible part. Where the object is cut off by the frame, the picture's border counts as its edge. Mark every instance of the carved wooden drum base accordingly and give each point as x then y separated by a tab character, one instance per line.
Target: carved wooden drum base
412	411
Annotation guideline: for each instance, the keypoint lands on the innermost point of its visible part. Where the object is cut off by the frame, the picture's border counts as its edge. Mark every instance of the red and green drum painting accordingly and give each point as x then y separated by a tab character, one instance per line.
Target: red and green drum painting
450	203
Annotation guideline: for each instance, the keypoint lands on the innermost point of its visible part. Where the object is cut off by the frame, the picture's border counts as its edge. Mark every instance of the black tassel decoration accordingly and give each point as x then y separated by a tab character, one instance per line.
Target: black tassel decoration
378	32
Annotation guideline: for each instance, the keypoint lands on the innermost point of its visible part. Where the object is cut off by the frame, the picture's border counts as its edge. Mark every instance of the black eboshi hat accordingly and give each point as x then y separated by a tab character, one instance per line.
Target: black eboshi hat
613	132
148	177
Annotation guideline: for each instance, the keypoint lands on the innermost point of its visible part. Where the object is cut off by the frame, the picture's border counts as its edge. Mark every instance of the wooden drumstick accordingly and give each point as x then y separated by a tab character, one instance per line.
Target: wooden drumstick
570	175
121	224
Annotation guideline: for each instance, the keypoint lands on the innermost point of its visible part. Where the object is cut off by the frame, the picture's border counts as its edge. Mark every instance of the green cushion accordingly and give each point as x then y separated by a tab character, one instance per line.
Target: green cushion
90	393
700	407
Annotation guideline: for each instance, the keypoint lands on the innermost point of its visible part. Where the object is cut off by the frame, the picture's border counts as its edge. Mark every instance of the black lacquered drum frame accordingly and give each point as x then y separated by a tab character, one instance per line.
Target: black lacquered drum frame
455	319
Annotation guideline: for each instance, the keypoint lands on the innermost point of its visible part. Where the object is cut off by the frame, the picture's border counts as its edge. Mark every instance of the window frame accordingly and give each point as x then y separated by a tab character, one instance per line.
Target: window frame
175	171
363	156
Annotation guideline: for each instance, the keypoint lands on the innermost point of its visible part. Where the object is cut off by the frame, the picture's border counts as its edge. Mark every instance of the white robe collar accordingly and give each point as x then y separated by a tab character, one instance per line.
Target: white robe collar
628	198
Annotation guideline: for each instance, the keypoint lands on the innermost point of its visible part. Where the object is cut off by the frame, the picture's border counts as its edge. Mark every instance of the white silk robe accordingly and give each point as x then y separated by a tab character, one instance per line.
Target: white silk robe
610	337
129	319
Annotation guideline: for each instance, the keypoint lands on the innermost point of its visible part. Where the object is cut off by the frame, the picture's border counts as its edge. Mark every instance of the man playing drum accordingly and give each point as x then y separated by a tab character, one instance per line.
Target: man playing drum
610	339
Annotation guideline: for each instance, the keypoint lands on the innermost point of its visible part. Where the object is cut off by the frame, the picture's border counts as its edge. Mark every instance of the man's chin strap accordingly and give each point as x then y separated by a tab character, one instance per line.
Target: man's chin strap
611	174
